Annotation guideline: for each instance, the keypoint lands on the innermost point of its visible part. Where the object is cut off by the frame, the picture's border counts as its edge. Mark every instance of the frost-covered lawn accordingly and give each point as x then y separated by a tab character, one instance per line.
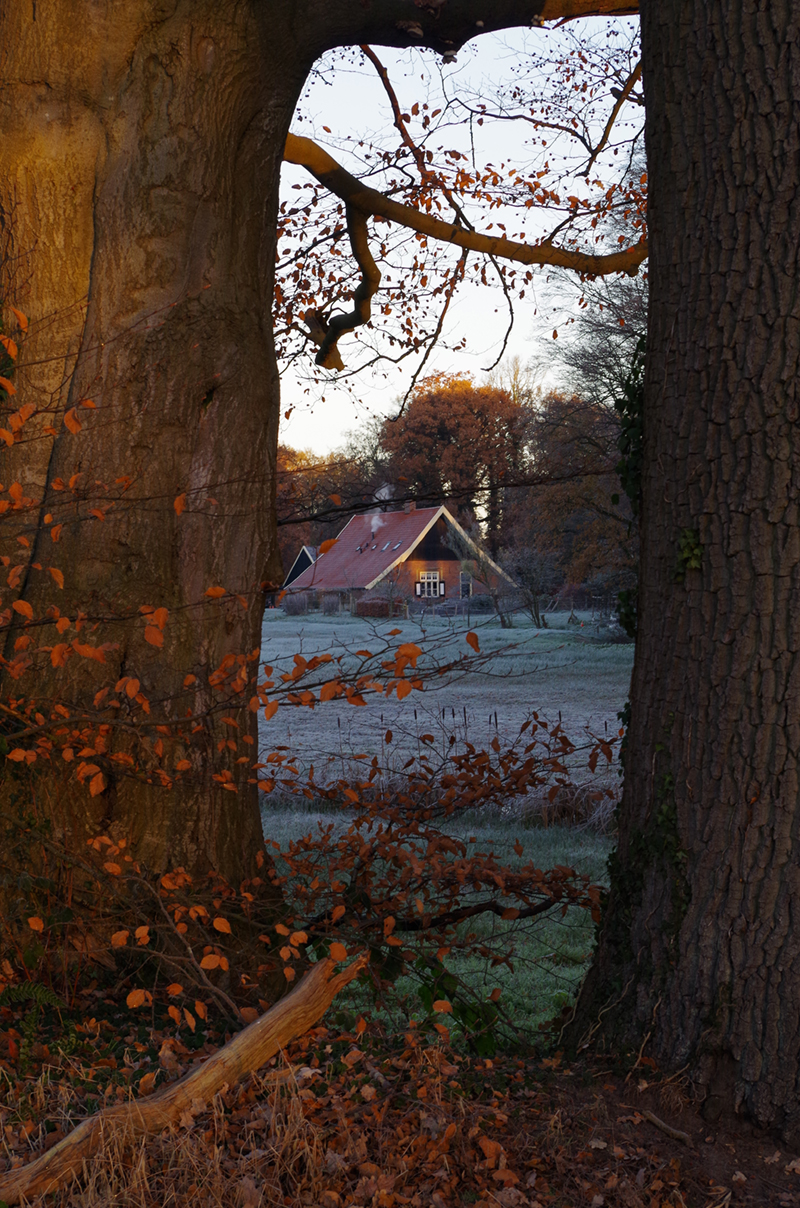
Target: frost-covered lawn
559	669
552	670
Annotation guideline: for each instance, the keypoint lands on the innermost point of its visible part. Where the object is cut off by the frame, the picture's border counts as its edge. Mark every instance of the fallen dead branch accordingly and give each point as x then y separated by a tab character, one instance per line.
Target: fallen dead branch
247	1052
675	1133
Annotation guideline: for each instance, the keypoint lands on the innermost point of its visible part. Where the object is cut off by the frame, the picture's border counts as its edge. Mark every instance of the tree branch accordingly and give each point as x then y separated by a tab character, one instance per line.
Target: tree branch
334	177
327	335
361	201
621	99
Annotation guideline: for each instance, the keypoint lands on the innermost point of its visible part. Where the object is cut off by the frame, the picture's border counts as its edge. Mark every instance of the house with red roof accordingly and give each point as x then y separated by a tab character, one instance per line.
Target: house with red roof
417	553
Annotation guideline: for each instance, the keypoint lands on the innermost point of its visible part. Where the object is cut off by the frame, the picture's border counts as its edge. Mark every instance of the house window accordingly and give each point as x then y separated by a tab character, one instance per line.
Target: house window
466	585
429	584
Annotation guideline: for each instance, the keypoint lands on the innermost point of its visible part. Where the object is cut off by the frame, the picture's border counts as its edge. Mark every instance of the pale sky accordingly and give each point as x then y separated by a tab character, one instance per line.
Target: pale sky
351	100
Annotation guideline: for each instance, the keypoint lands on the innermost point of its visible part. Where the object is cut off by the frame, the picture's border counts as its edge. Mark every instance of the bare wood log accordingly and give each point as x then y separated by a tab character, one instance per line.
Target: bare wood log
676	1133
248	1050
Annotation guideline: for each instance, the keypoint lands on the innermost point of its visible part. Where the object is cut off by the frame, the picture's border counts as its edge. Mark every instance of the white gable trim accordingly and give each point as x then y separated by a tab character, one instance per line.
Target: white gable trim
440	511
304	549
405	554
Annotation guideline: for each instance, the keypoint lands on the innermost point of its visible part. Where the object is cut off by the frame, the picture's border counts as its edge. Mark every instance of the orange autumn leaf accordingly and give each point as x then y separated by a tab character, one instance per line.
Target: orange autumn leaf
491	1149
148	1083
113	869
403	689
21	319
7	436
135	998
59	654
72	422
214	593
220	924
88	652
337	913
504	1175
8	386
18	755
289	973
443	1007
9	346
132	687
326	545
55	532
182	765
210	961
174	1014
158	617
179	503
23	608
35	923
153	635
337	952
119	939
270	710
96	786
190	1019
472	640
200	1008
298	937
57	576
249	1014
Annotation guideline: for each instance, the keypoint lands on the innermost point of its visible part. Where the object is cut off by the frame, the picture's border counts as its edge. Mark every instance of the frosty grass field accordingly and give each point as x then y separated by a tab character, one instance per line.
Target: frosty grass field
562	668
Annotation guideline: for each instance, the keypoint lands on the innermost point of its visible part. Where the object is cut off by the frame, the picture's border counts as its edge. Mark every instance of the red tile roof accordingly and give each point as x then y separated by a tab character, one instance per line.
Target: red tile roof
367	548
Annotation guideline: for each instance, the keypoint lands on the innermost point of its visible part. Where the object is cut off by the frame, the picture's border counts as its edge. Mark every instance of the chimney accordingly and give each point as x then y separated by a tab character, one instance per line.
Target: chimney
409	506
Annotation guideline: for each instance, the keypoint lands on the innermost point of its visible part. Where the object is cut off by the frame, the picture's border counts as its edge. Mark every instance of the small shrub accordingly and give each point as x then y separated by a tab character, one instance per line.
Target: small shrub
295	605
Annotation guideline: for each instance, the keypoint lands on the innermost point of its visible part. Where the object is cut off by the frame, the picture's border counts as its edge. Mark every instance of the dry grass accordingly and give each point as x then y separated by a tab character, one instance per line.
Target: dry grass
580	806
254	1146
389	1120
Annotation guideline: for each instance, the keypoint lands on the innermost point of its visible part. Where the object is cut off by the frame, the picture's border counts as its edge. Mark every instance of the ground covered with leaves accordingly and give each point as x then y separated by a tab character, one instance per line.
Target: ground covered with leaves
362	1117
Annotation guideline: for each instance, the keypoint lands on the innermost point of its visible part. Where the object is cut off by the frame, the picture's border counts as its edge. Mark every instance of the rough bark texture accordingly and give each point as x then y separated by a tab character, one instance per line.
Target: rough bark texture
701	941
140	150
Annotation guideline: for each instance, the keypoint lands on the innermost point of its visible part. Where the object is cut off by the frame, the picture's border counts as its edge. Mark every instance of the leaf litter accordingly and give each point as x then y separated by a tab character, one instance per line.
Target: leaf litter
365	1117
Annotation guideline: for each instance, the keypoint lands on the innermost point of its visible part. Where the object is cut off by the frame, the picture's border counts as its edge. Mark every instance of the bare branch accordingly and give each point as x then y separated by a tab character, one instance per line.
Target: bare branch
621	99
328	335
333	176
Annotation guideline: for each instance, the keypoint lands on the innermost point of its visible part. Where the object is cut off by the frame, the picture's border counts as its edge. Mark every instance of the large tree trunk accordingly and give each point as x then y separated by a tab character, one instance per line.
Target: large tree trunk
701	939
141	186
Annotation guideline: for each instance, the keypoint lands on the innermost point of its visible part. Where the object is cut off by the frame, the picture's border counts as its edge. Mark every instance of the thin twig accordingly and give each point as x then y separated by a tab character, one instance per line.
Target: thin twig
675	1133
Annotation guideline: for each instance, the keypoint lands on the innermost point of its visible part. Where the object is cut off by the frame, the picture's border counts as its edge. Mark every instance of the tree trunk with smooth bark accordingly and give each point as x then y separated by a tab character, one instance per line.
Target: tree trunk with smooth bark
700	946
